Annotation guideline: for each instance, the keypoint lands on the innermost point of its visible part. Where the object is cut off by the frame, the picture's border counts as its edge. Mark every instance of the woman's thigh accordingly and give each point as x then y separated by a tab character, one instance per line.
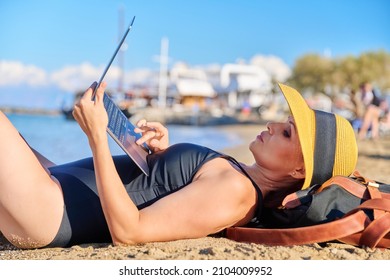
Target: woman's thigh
31	202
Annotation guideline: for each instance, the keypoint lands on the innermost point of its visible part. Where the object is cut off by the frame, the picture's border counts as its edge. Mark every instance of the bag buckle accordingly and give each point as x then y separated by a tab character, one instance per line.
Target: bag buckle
373	184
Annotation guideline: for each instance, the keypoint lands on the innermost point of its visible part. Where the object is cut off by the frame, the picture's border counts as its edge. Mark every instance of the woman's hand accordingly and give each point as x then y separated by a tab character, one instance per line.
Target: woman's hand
154	134
91	114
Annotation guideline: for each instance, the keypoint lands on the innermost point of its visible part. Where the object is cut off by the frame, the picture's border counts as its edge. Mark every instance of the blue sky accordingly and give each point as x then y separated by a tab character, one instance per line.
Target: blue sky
47	36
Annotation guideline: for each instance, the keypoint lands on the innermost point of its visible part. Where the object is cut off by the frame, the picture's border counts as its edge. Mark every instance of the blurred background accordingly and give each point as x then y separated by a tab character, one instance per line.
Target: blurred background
193	63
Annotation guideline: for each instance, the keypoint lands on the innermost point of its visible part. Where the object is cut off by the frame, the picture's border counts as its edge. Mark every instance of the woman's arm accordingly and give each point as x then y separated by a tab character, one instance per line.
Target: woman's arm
120	212
218	197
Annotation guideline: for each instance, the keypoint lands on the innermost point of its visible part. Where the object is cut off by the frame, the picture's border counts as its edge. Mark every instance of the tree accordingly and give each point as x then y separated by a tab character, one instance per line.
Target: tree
319	74
312	72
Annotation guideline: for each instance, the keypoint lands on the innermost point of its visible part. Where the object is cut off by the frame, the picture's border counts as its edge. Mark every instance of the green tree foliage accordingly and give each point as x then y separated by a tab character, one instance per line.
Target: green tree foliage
312	72
317	73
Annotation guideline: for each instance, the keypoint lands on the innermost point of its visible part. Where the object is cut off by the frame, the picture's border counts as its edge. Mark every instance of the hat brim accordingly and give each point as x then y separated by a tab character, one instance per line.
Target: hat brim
304	118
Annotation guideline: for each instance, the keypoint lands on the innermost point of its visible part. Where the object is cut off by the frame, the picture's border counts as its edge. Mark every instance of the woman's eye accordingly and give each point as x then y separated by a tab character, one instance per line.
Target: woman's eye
286	133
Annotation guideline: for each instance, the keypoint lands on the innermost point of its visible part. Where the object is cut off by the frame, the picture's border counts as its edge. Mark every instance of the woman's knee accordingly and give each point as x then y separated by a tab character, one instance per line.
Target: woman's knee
36	223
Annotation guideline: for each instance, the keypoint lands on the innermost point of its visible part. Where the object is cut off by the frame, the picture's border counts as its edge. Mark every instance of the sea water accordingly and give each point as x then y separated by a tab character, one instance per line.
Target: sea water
62	140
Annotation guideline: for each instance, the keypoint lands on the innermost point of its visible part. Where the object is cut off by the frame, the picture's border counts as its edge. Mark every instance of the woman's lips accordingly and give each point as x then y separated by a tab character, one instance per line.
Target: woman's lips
260	137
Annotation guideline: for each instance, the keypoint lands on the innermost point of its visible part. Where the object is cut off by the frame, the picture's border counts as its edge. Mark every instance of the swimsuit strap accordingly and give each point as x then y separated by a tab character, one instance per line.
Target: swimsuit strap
258	191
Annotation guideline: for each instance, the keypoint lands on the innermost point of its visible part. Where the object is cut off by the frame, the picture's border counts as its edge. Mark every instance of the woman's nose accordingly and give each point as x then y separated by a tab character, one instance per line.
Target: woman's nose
269	126
274	126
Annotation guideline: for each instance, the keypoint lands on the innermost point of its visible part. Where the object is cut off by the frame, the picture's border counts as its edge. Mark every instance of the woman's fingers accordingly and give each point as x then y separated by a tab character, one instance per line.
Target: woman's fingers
141	123
91	114
100	92
154	134
156	126
88	93
146	136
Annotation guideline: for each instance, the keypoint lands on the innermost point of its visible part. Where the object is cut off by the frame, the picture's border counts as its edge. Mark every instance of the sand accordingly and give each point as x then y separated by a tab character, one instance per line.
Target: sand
374	162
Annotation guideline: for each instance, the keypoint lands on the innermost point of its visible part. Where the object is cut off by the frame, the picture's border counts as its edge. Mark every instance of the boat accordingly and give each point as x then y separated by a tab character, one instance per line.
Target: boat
68	111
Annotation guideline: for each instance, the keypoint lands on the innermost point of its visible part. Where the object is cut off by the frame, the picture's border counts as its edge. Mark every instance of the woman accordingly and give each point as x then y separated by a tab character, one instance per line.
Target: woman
374	107
191	192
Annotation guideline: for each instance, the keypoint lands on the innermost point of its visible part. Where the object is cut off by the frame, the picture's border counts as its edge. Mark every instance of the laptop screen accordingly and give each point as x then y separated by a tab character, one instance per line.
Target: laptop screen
122	131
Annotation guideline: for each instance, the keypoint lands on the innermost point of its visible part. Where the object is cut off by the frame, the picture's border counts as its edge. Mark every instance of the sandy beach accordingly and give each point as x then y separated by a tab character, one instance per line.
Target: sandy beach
374	162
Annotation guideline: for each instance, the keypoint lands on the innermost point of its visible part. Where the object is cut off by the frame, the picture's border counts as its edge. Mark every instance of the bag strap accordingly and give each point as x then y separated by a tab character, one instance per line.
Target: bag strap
300	197
354	228
365	189
365	180
377	232
358	185
350	185
302	235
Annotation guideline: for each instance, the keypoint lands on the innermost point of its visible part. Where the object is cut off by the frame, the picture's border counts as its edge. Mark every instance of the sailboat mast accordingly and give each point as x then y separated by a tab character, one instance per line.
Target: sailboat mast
163	81
121	54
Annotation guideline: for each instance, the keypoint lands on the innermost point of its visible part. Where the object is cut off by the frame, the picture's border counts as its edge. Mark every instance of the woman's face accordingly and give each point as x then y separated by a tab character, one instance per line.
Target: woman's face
278	148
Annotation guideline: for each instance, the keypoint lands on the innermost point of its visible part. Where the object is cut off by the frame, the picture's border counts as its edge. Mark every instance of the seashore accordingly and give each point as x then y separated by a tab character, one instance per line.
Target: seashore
373	162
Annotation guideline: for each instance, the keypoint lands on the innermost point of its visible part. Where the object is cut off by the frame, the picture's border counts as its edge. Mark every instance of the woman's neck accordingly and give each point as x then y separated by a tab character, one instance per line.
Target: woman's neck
273	186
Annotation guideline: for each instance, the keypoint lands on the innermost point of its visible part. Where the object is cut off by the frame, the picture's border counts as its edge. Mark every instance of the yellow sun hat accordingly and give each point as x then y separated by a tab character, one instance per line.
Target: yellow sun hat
327	140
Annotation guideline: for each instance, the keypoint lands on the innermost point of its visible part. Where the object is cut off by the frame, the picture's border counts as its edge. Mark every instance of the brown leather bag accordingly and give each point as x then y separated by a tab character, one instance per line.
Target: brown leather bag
353	210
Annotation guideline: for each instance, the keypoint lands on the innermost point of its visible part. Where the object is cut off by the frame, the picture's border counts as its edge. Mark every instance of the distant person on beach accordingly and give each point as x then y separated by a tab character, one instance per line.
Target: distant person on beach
191	192
374	106
357	109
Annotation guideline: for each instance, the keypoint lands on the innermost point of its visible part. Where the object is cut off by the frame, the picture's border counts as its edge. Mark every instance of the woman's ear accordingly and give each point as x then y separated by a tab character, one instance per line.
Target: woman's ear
298	173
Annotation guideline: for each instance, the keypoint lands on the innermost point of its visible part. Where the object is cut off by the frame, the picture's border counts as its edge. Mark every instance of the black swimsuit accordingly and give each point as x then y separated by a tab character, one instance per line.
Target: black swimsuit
170	170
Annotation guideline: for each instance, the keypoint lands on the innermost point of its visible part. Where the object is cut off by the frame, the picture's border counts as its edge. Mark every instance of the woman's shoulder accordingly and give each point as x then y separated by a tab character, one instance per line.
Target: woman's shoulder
226	172
222	179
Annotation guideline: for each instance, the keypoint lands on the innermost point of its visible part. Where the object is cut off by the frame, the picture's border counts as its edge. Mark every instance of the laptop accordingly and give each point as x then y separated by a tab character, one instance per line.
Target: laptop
119	127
